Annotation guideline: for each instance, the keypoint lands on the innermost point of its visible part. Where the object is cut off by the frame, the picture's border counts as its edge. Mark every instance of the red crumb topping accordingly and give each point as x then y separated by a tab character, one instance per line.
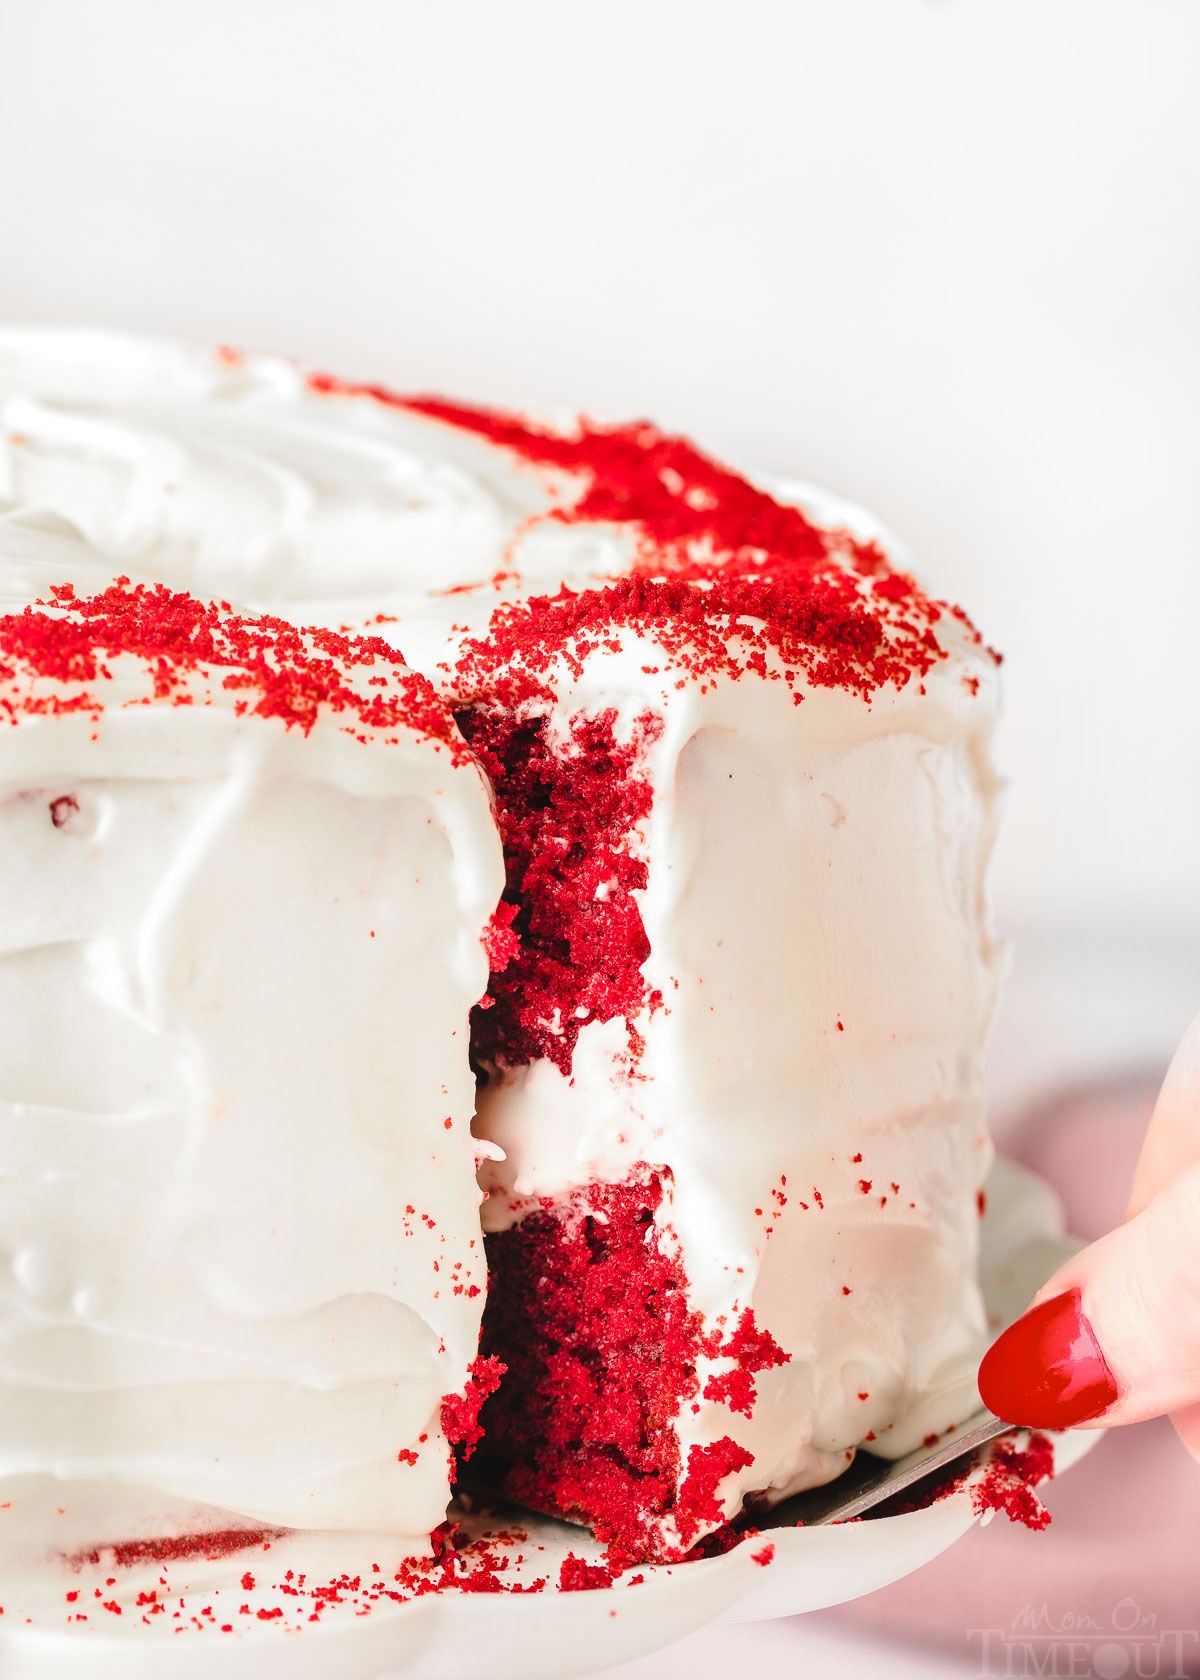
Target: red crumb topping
588	1311
770	580
764	1555
568	943
274	669
460	1412
830	605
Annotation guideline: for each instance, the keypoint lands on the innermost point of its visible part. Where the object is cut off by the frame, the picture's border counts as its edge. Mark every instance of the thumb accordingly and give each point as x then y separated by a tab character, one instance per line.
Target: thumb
1114	1336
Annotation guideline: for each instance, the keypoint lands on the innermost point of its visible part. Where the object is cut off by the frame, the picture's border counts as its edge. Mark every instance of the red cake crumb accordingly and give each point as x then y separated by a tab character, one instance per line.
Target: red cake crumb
275	669
1010	1478
460	1412
718	1541
500	943
577	1575
459	1563
568	942
707	1467
764	1556
1010	1475
751	1350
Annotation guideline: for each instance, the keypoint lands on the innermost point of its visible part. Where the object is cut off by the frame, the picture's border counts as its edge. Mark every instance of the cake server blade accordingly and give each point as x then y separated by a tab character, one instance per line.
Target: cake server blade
871	1480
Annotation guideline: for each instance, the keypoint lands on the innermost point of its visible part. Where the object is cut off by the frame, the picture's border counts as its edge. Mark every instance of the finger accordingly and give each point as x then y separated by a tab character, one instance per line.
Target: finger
1115	1333
1187	1424
1173	1136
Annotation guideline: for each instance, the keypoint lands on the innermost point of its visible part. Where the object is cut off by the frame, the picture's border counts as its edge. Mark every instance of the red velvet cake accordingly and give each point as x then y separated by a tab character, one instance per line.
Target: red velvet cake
729	1056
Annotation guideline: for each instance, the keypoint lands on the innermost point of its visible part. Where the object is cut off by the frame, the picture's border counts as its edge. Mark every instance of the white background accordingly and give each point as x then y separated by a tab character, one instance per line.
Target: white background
942	256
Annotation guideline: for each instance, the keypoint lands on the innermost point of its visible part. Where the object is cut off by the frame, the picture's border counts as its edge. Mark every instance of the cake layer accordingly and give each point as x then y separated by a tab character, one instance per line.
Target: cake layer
247	872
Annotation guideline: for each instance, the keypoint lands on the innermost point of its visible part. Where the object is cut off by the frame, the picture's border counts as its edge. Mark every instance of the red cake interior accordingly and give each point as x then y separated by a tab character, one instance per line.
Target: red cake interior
572	947
588	1310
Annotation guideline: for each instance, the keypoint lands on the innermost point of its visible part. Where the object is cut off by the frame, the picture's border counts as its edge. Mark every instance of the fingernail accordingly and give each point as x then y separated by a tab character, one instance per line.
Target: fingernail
1047	1369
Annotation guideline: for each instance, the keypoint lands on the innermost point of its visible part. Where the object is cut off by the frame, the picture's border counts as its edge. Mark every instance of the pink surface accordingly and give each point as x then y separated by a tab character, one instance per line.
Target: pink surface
1122	1555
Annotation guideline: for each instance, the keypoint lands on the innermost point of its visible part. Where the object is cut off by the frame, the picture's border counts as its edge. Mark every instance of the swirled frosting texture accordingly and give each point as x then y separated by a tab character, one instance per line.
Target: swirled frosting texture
821	971
241	935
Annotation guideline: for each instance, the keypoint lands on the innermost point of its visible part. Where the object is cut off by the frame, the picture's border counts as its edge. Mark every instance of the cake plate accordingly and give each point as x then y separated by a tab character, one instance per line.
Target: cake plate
327	1607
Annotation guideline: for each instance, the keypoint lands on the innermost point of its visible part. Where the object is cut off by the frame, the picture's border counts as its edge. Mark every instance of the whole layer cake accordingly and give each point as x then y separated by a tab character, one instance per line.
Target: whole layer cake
729	1054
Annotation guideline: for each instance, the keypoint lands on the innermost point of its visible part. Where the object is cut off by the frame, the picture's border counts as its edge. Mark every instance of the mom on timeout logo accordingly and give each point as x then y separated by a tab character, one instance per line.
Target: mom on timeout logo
1037	1645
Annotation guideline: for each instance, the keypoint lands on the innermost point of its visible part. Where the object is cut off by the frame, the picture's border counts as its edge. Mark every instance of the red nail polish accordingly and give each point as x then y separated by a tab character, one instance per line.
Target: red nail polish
1047	1369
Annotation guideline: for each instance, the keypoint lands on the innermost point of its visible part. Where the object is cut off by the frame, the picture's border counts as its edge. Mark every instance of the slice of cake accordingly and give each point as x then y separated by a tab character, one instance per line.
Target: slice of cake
734	1059
246	874
731	1047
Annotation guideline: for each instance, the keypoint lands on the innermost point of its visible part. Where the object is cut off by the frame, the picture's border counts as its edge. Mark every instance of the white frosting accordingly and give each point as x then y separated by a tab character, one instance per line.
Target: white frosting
232	478
234	978
807	865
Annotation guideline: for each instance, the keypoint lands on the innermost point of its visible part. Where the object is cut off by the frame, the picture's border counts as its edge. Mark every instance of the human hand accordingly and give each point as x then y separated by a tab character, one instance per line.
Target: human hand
1114	1336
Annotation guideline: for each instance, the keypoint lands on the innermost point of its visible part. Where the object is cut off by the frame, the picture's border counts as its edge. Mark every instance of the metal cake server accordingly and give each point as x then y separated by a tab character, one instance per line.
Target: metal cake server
870	1480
